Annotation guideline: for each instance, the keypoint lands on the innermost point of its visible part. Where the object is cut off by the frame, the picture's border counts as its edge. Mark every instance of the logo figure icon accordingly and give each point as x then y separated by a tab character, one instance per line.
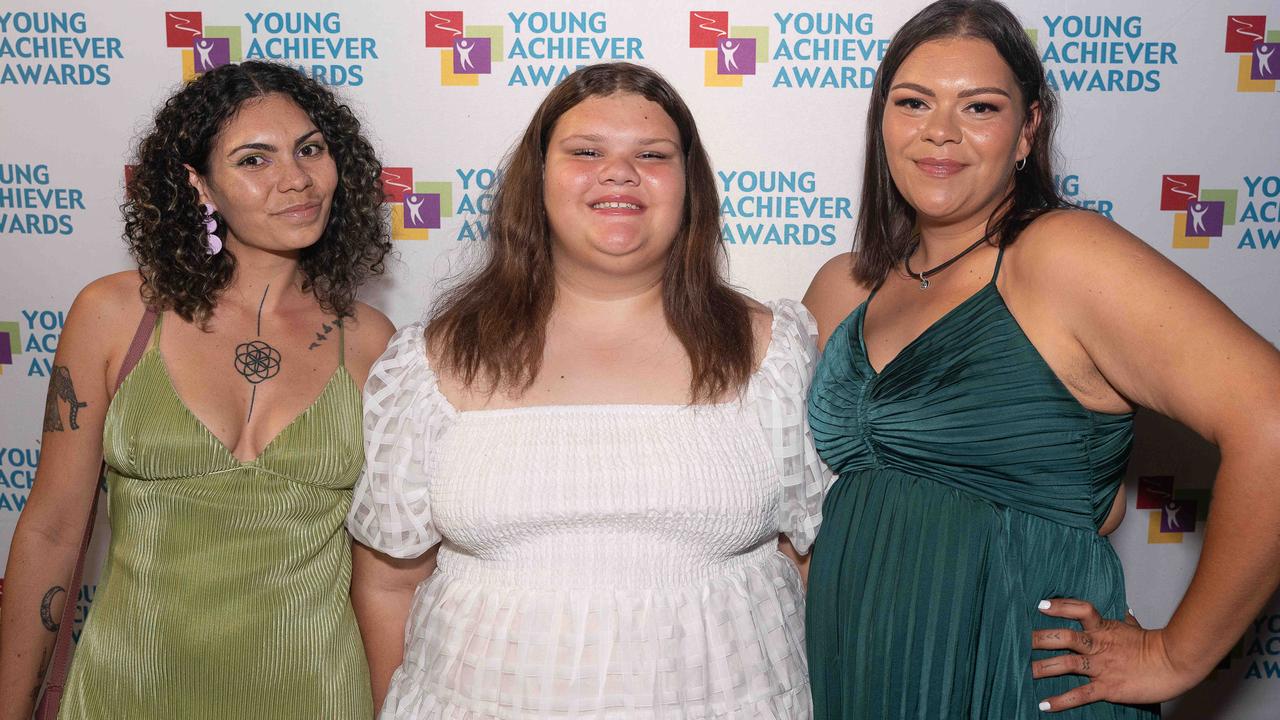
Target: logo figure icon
1197	211
464	53
729	51
1262	68
1173	511
422	211
203	48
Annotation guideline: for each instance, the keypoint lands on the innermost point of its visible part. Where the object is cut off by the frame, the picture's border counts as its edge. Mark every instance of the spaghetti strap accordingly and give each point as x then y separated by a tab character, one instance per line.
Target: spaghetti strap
156	322
342	343
999	259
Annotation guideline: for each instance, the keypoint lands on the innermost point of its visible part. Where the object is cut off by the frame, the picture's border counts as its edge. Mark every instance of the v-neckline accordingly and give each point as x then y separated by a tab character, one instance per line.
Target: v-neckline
173	389
862	335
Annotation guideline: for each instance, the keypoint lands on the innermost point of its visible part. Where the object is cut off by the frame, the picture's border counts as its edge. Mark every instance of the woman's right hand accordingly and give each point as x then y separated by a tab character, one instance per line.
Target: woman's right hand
46	542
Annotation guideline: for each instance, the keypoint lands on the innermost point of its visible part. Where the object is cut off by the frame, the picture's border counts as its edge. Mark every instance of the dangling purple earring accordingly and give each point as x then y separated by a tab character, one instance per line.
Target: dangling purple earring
210	228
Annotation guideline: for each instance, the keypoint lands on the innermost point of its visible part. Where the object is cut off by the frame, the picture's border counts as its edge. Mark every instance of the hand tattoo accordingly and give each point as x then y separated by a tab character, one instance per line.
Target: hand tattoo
256	360
61	388
322	336
46	612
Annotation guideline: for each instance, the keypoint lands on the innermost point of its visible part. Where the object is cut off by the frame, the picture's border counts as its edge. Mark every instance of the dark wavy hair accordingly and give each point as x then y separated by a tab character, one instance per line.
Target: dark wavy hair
490	330
163	219
886	222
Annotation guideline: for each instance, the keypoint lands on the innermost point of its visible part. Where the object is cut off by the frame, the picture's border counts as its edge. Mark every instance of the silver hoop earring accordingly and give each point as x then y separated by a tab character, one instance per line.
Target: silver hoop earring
1020	164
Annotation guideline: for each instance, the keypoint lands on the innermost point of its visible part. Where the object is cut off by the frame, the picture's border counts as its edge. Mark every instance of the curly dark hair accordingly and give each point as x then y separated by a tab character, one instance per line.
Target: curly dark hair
162	215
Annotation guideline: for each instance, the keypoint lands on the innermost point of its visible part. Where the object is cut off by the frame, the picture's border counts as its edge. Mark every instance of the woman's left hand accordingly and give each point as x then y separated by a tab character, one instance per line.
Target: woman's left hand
1123	662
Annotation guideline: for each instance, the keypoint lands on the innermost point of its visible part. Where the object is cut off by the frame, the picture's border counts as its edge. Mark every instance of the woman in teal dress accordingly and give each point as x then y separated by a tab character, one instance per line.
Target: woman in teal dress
254	213
984	351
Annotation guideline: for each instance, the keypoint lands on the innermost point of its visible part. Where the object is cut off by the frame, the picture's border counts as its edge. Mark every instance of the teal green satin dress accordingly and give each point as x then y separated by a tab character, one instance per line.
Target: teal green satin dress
971	486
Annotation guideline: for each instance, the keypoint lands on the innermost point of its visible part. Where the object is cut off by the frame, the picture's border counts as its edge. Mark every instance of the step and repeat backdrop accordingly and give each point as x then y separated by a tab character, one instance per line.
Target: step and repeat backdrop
1170	128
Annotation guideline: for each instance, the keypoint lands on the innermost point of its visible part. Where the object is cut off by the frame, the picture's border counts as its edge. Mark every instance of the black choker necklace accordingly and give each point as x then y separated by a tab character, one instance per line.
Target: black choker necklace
924	275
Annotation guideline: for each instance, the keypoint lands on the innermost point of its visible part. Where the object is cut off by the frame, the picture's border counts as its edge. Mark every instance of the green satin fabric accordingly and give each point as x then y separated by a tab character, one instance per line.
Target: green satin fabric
971	486
226	587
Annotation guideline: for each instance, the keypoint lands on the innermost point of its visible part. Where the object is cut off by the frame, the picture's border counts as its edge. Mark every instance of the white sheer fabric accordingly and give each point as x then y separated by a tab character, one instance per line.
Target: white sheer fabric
598	561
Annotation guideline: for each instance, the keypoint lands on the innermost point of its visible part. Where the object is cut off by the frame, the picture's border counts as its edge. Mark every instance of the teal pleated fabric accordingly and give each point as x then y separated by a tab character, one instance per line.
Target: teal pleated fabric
226	587
971	486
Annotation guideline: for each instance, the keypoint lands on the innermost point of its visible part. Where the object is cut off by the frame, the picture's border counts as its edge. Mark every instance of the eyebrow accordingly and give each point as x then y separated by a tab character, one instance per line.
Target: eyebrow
598	138
962	94
268	147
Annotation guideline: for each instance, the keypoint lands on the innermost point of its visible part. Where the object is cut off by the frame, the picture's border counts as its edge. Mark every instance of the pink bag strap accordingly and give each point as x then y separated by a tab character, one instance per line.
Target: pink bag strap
62	646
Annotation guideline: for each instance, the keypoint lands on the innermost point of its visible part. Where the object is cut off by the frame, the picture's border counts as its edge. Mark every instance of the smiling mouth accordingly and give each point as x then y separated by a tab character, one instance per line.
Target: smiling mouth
939	168
614	206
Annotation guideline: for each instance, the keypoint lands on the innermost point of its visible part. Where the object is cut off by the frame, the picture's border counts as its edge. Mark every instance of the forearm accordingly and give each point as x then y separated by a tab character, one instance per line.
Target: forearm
1239	566
382	616
35	591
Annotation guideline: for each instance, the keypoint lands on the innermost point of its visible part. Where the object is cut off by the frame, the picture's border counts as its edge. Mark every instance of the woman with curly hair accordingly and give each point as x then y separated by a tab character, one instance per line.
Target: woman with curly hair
233	444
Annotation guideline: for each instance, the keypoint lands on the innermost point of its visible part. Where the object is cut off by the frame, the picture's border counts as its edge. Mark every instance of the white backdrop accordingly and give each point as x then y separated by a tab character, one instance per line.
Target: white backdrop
1165	103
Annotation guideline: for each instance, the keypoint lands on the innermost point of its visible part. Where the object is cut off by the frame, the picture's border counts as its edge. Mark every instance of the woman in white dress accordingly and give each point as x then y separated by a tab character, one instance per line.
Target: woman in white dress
589	476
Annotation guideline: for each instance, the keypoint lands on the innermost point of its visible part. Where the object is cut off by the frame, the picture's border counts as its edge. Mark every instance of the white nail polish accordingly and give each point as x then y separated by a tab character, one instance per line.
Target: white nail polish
1044	605
1044	706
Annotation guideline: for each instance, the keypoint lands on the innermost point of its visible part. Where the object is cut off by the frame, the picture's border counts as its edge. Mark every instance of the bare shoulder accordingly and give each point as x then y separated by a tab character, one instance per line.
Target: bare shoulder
833	294
105	311
761	328
366	333
1065	246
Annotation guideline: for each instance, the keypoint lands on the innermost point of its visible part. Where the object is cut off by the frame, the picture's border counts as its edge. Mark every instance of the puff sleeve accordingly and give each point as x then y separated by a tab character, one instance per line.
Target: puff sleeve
779	390
404	414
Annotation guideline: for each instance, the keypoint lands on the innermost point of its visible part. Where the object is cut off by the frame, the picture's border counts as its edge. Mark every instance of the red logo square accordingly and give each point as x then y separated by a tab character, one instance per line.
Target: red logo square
1245	31
443	27
180	28
706	27
1178	190
1154	491
396	182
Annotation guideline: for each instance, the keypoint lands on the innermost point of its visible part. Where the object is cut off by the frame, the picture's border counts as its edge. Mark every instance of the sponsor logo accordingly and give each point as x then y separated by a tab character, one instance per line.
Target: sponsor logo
544	46
779	207
54	47
1101	53
801	49
417	207
32	204
1258	66
10	343
1175	511
1201	214
314	42
34	337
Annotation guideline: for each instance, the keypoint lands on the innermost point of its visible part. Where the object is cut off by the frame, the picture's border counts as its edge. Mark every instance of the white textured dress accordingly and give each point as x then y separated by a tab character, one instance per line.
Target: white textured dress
598	561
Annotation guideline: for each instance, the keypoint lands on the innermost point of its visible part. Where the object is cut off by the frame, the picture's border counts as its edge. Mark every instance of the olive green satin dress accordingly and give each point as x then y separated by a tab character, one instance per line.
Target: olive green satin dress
226	588
971	486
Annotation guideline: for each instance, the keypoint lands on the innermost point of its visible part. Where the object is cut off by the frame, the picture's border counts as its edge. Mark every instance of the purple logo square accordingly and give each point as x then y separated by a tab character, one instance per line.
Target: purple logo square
472	56
736	56
1204	218
211	52
422	210
1266	63
6	352
1178	516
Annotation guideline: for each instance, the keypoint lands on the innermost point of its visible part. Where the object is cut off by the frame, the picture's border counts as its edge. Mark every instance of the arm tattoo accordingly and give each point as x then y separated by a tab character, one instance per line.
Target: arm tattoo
257	360
322	336
46	612
61	388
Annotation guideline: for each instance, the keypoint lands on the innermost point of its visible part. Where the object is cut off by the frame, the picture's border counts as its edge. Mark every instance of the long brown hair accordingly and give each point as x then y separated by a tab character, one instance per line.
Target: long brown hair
886	221
491	329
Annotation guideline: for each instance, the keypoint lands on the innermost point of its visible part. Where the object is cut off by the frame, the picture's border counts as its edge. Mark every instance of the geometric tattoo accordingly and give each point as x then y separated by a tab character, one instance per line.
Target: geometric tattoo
60	388
256	360
46	613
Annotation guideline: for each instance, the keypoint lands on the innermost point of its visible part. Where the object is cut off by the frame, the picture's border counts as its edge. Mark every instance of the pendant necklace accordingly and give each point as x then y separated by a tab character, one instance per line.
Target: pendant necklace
924	275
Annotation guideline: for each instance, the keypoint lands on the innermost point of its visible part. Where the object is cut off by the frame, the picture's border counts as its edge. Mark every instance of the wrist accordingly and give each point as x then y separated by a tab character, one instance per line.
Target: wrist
1187	663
